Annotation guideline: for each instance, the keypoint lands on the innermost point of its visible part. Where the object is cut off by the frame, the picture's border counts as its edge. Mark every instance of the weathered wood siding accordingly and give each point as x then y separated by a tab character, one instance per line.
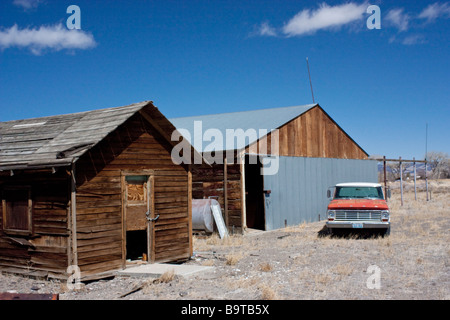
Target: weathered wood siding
208	181
45	251
135	145
313	134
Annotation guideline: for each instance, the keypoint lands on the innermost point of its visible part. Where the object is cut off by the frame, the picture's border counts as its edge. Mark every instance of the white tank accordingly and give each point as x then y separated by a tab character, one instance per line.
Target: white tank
202	217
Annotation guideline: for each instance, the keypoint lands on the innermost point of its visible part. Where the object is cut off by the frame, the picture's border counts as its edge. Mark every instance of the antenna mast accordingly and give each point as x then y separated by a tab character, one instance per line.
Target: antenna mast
426	156
426	141
310	83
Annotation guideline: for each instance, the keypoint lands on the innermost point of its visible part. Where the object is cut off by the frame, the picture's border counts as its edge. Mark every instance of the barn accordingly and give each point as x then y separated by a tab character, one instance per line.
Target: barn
271	168
92	189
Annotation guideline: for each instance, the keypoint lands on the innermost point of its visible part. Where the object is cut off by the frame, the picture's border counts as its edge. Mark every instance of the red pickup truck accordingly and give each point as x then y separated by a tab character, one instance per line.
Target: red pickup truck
358	205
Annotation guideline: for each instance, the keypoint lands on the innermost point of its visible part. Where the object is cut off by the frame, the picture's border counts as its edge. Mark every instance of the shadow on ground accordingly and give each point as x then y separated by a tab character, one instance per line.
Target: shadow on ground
351	234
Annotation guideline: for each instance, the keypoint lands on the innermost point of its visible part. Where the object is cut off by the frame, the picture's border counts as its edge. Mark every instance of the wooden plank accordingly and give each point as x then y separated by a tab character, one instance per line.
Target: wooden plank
86	244
136	219
96	229
114	248
225	189
304	136
170	247
106	261
184	220
163	227
314	133
189	205
172	256
242	188
151	226
95	271
101	221
88	235
169	237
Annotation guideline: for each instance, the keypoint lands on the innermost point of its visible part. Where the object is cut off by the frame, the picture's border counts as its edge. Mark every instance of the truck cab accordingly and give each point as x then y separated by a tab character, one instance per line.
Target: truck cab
358	205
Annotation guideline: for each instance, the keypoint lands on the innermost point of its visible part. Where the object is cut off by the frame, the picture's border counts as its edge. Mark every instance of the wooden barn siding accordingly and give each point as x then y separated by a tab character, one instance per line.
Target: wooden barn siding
49	255
313	134
133	146
208	181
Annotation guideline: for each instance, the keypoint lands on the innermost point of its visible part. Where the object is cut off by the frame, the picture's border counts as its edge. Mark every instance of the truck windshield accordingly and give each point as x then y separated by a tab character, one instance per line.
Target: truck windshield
358	192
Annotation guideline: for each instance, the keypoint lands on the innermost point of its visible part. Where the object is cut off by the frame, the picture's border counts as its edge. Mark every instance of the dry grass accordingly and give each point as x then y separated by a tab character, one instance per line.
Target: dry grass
151	286
233	258
268	293
167	276
265	267
322	279
208	263
343	269
201	244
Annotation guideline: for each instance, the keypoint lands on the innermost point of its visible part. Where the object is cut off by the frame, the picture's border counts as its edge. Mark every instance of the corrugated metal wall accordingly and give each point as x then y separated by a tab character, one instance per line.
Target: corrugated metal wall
299	190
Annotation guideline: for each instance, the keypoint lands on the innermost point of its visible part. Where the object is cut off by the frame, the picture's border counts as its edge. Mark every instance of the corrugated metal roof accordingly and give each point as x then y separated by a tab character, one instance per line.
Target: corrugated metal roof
58	140
264	119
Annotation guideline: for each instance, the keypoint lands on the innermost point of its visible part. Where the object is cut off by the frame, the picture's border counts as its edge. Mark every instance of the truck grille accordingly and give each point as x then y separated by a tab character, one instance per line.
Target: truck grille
355	215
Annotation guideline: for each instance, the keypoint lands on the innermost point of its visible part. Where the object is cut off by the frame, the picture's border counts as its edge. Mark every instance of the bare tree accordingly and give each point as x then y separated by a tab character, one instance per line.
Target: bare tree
394	170
439	163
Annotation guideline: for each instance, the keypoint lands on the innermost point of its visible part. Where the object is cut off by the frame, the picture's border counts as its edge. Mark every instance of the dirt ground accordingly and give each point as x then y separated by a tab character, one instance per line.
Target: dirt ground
300	263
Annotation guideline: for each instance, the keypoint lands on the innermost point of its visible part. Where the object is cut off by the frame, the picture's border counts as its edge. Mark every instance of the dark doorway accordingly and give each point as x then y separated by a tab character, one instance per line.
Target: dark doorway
137	245
254	196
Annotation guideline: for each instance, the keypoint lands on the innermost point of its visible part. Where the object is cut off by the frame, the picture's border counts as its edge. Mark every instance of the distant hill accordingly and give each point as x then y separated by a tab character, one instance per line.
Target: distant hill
408	169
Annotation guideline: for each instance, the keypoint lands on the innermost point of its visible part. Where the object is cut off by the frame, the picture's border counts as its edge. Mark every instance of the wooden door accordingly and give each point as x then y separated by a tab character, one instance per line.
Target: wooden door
138	214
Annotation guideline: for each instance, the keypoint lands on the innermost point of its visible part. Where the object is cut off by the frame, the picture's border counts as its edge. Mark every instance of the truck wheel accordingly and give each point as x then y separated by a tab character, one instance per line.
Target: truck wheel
387	232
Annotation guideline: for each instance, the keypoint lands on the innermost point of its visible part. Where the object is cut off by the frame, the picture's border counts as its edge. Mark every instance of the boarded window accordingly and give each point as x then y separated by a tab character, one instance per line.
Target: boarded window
17	210
137	190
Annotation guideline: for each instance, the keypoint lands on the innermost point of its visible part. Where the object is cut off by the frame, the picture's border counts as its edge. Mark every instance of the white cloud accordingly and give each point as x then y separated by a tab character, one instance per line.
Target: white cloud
266	30
398	19
27	4
413	39
325	17
434	11
38	40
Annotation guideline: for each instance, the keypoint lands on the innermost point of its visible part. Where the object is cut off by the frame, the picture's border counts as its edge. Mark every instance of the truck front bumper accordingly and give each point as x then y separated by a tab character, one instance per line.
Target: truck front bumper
358	225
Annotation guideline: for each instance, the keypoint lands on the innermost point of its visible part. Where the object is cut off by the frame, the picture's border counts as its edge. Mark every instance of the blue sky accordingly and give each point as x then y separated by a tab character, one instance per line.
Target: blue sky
382	86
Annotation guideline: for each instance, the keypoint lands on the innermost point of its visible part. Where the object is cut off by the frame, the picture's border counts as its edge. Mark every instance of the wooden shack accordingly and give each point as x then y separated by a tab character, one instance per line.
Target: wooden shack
92	189
313	152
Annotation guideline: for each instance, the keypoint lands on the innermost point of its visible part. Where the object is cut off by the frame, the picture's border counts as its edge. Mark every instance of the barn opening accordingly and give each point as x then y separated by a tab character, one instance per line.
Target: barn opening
137	245
254	193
